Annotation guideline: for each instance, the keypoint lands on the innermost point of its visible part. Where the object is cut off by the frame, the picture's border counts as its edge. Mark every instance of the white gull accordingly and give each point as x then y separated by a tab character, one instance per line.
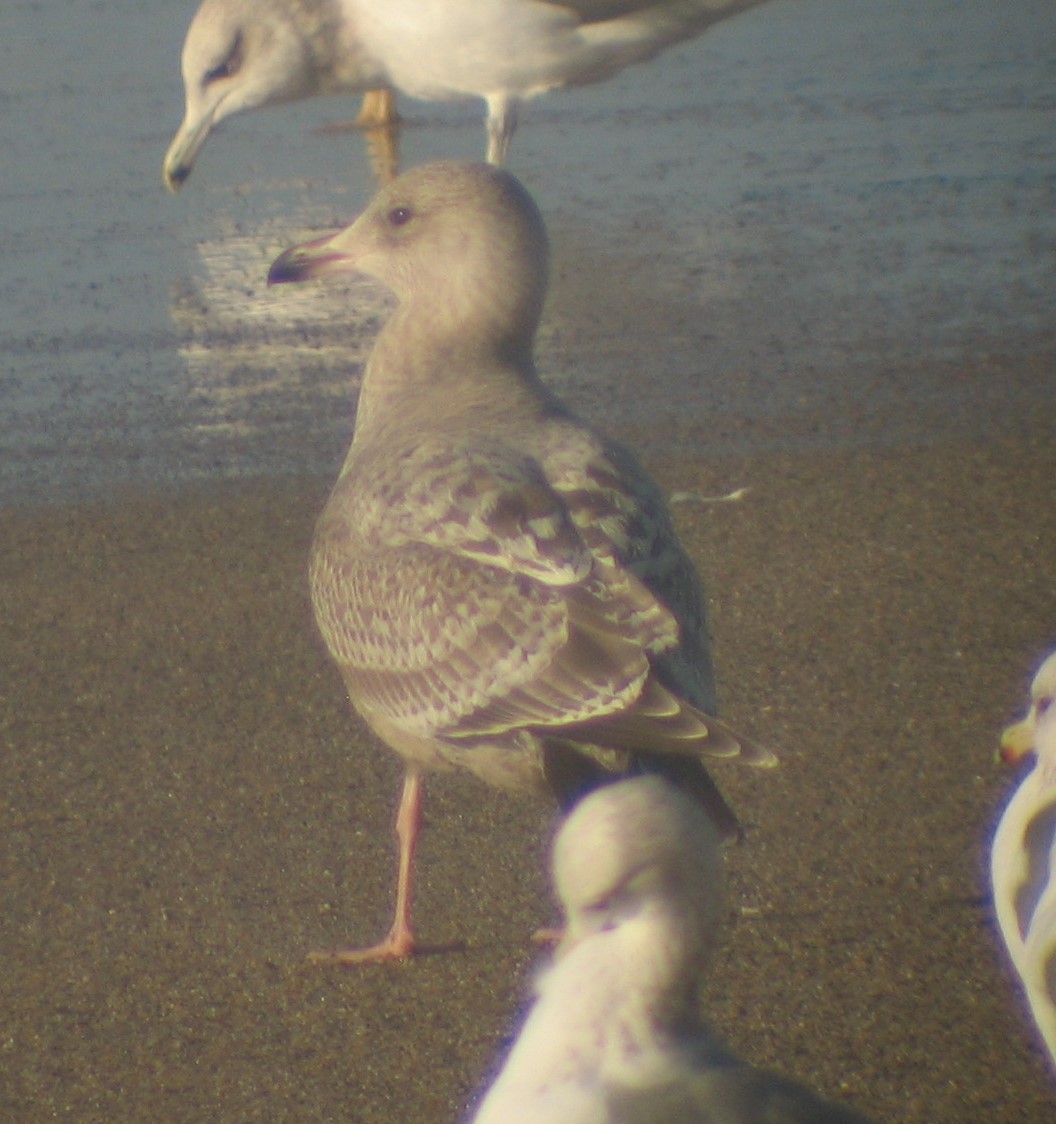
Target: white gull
242	54
614	1036
1023	855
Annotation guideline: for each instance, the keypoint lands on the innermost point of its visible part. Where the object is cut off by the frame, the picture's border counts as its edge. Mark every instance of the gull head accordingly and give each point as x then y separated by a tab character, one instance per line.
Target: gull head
1022	737
238	55
462	245
640	850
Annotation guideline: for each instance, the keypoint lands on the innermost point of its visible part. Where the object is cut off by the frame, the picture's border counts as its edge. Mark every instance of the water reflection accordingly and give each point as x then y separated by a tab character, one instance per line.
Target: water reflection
253	353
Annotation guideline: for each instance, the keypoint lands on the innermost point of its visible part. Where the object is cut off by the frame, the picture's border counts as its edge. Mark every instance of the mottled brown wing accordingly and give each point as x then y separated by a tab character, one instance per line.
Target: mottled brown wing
623	516
475	606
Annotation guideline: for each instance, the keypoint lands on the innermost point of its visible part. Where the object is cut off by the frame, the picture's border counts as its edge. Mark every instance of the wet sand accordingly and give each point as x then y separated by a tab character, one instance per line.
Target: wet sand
189	808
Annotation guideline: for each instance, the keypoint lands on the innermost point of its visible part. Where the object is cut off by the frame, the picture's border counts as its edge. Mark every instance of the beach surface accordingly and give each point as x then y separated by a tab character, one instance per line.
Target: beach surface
190	808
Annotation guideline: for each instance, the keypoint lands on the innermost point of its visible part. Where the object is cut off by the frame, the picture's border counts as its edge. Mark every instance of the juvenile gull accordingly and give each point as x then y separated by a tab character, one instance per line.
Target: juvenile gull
615	1036
241	54
501	586
1023	856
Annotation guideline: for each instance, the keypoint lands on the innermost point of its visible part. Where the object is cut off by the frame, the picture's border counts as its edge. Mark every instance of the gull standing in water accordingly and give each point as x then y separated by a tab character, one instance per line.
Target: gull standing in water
1023	856
500	585
614	1036
242	54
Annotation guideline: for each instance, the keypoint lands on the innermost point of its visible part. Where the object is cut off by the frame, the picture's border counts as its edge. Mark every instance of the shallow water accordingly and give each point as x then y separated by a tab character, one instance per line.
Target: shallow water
823	224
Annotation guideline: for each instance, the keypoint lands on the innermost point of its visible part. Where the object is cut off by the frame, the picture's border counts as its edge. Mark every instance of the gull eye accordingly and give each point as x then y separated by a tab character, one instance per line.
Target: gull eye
400	216
1042	705
601	910
230	66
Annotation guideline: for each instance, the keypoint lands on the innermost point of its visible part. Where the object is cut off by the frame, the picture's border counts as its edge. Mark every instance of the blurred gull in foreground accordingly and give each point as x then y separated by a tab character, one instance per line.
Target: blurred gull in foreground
241	54
614	1036
1023	857
500	586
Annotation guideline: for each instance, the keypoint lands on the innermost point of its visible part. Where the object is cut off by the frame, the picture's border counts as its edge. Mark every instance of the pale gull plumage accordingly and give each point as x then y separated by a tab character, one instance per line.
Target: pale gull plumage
242	54
1023	855
500	585
615	1036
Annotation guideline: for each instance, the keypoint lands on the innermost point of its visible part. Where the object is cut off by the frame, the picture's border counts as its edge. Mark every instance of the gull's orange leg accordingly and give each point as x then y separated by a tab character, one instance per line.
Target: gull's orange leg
400	942
380	121
377	110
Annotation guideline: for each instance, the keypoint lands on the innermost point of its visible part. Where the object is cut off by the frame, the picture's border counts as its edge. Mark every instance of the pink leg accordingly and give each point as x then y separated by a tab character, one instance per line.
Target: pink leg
400	942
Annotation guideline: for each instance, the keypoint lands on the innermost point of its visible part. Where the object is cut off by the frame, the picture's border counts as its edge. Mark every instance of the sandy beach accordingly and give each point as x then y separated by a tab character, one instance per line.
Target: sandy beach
190	808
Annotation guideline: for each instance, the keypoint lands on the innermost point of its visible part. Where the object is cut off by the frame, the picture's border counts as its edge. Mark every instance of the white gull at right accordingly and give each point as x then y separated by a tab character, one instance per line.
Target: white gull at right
614	1036
1023	856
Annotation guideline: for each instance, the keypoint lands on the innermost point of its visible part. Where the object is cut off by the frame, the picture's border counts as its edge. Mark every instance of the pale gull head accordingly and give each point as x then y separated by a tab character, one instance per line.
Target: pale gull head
244	54
1020	738
640	852
456	242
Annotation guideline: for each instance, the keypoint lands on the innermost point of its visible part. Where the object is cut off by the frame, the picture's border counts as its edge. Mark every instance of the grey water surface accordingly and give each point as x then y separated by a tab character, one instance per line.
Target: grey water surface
824	223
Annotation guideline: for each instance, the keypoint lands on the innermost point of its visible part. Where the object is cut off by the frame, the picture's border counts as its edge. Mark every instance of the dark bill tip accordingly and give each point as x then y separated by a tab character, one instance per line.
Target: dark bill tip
299	263
288	266
176	177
